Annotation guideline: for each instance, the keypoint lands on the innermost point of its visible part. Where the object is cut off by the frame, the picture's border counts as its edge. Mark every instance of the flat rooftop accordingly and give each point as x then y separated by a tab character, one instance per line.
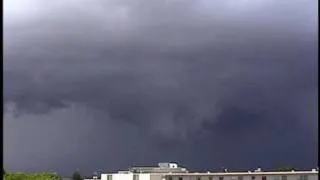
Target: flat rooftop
174	170
245	173
161	168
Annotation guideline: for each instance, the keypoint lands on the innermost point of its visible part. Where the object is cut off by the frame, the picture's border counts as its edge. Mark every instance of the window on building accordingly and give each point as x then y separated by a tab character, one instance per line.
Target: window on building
264	177
300	177
303	177
109	177
253	177
220	178
136	177
210	178
180	178
276	178
169	177
198	178
240	177
283	177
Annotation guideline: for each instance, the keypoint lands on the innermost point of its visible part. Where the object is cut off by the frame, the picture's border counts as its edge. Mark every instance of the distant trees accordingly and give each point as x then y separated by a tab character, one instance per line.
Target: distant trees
76	176
26	176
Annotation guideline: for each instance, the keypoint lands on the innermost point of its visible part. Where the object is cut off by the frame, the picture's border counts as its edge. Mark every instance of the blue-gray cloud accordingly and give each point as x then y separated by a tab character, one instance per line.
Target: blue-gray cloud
167	77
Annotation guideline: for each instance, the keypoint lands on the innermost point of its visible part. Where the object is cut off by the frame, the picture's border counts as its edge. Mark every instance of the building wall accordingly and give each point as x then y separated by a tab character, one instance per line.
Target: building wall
157	177
144	176
104	177
129	176
245	177
206	177
122	177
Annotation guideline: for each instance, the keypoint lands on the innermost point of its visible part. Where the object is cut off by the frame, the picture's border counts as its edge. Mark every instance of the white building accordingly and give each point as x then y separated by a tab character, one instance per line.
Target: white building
171	171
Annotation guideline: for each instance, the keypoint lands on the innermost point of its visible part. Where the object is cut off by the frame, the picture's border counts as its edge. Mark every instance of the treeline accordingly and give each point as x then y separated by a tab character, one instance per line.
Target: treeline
26	176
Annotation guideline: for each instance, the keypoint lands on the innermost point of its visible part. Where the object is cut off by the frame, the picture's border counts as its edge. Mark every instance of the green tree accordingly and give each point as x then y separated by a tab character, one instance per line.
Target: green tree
27	176
76	176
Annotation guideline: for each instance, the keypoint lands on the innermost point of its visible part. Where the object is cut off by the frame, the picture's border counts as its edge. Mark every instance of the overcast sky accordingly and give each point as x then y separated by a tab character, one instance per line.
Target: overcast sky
107	84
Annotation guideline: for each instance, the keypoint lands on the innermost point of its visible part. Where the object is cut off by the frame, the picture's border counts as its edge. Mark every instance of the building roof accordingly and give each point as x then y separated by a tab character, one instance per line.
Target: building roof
175	170
157	170
161	168
246	173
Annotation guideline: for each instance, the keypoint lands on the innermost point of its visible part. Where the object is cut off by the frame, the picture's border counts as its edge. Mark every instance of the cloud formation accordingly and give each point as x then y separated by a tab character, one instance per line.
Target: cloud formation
137	82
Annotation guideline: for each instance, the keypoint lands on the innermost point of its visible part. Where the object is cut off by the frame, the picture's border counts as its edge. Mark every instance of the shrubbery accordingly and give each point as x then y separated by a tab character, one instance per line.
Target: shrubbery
38	176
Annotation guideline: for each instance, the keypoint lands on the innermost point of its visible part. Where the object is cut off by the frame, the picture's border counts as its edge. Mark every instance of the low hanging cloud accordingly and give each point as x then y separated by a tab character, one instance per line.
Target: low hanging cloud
106	77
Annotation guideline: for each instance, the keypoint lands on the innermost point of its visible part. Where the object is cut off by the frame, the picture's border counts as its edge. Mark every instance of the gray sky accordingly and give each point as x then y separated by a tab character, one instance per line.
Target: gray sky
93	84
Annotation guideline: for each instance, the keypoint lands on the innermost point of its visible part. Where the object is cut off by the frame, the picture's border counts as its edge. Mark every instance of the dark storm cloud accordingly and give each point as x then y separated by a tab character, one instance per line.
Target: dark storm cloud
147	81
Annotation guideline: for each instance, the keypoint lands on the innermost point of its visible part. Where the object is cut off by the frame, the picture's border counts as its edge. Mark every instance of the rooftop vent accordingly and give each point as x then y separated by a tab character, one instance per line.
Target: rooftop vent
168	165
173	165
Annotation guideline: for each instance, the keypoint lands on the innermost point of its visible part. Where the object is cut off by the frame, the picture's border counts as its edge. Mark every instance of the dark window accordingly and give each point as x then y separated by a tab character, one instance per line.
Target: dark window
198	178
109	177
135	177
180	178
220	178
210	178
253	177
264	178
283	177
303	177
240	177
169	178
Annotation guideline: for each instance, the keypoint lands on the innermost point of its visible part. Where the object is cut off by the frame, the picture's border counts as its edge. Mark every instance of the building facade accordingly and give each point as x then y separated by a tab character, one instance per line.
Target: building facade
173	172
